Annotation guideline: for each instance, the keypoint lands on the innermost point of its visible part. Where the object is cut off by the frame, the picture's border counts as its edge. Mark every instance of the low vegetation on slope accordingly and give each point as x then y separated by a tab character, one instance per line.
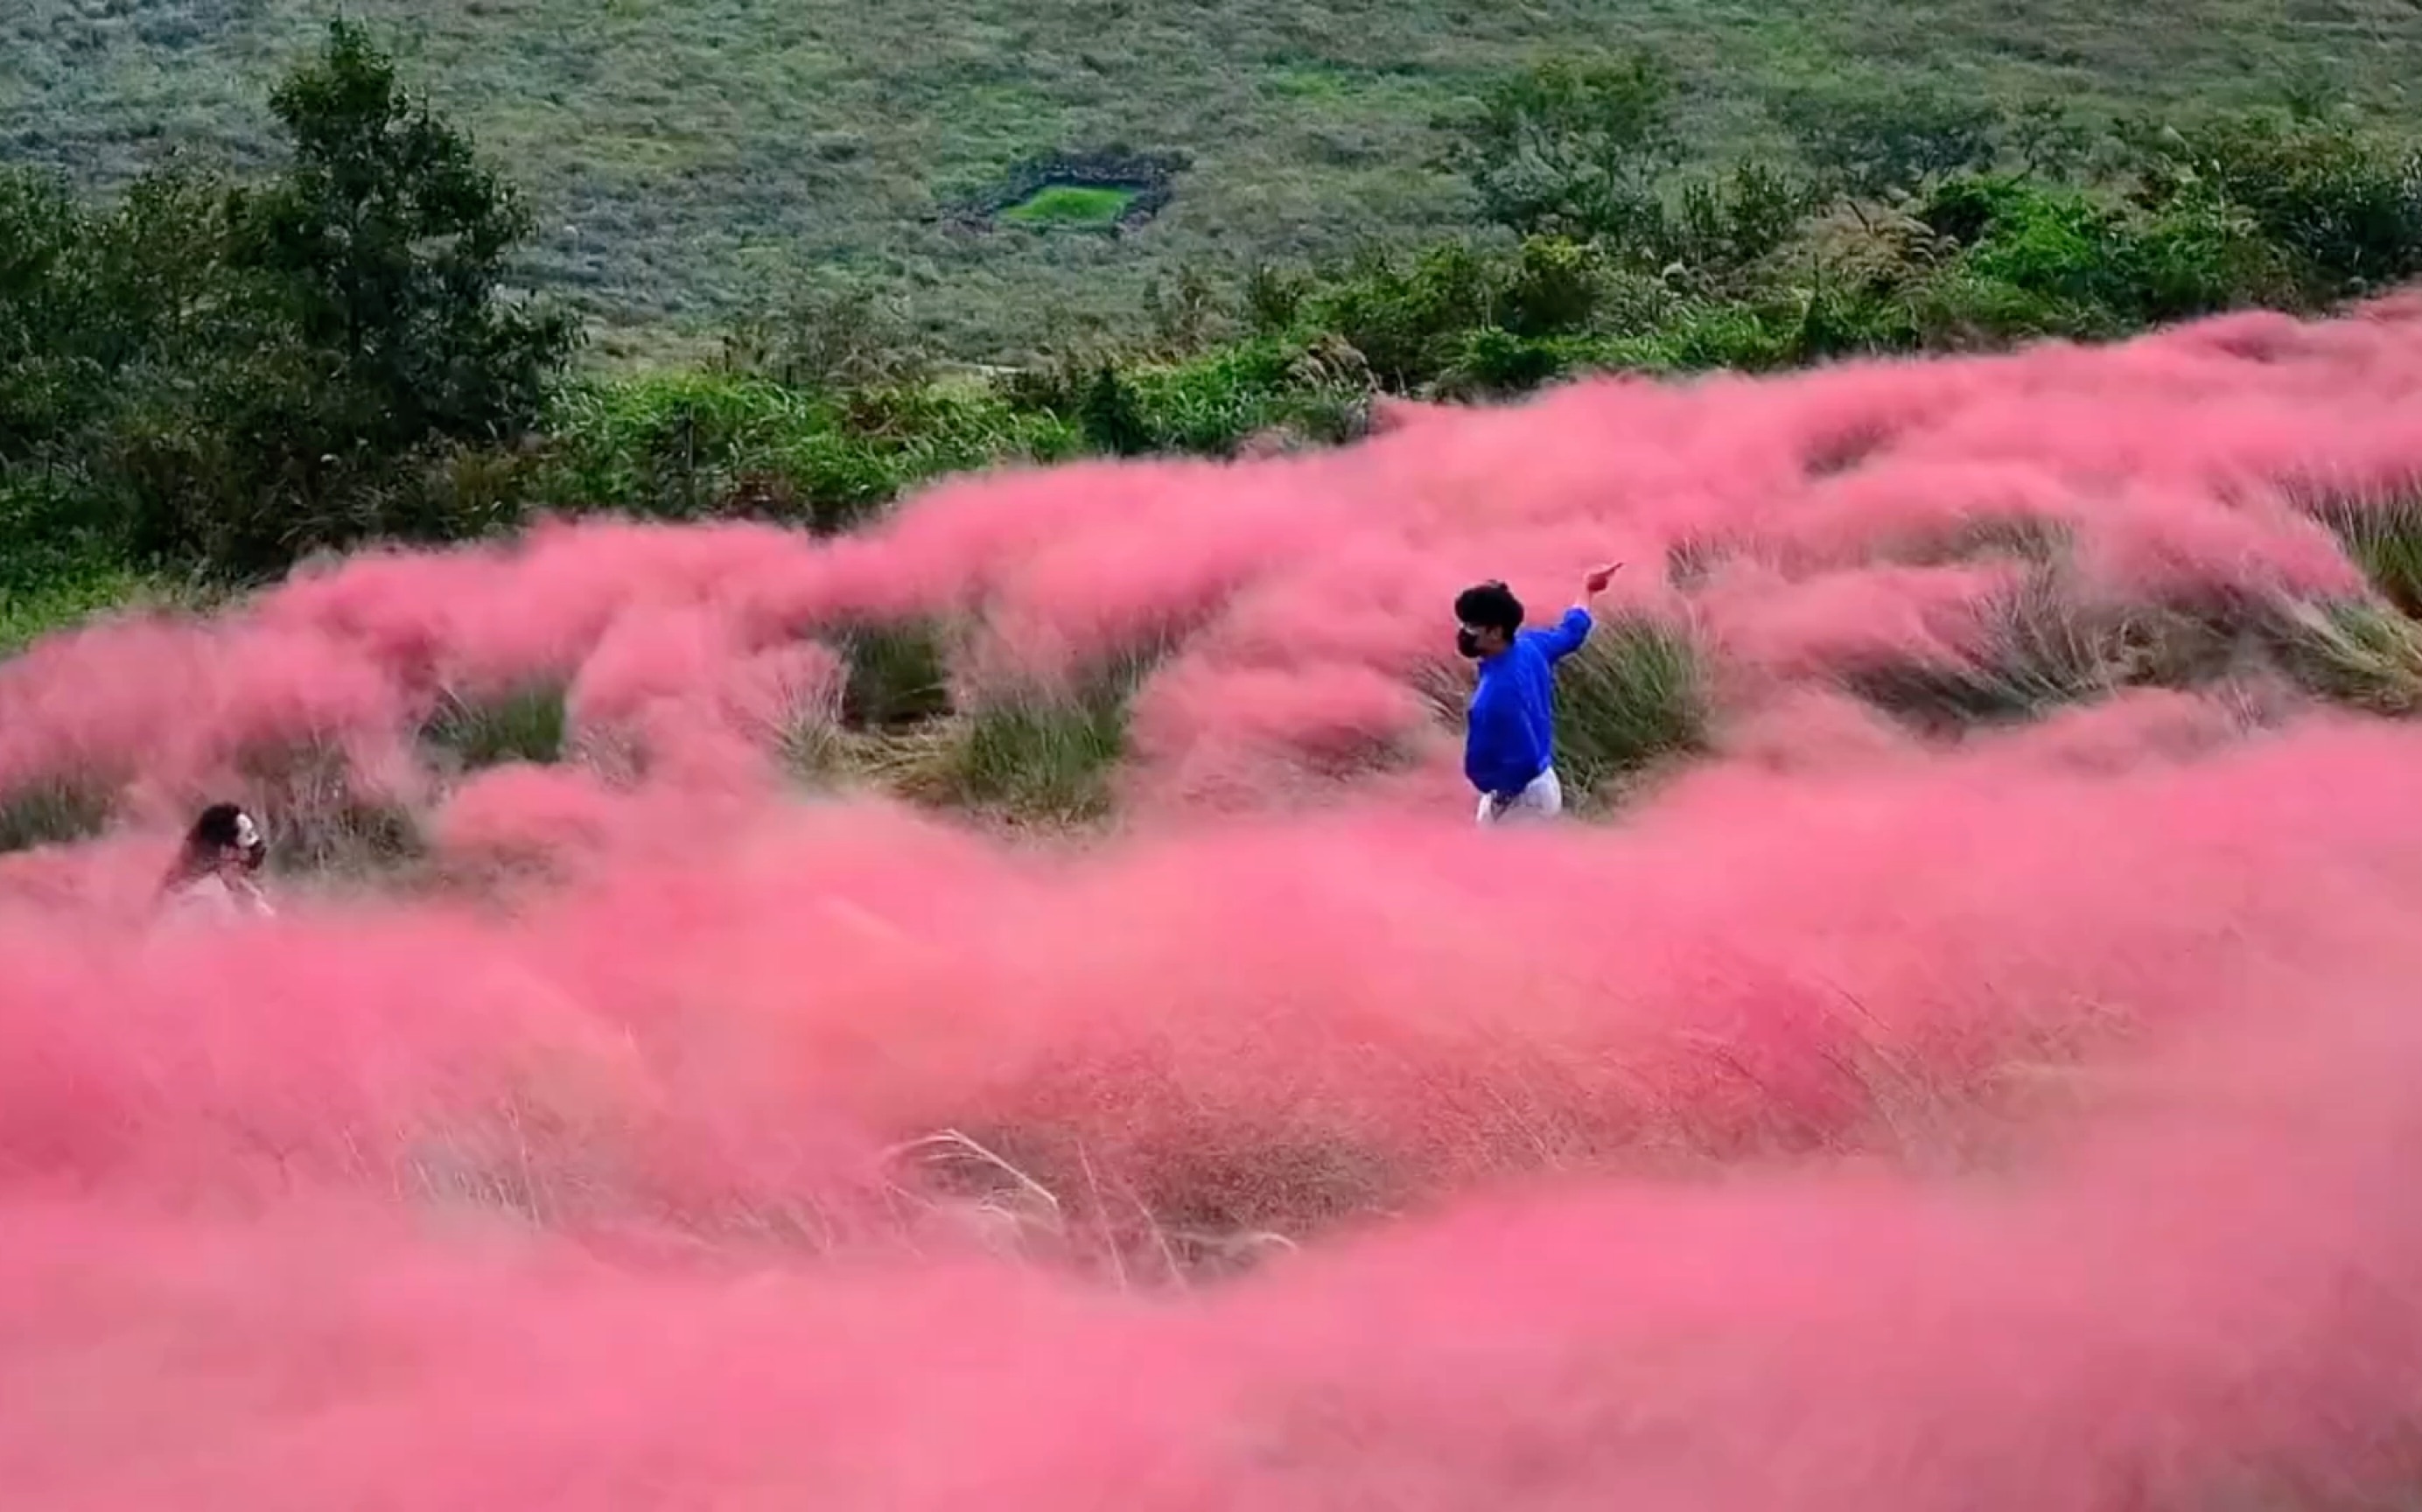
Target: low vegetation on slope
676	154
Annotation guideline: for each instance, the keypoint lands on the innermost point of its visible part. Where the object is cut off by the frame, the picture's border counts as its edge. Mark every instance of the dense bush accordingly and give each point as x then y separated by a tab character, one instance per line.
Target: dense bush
229	375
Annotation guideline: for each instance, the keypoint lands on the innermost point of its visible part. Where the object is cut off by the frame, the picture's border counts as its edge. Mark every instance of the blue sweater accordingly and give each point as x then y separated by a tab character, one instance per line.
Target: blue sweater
1510	736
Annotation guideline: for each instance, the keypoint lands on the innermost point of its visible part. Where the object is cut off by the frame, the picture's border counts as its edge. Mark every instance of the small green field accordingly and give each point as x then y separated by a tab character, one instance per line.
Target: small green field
685	158
1088	206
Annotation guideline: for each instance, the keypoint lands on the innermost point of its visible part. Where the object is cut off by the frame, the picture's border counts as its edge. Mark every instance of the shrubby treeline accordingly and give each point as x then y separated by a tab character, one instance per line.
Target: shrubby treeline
216	377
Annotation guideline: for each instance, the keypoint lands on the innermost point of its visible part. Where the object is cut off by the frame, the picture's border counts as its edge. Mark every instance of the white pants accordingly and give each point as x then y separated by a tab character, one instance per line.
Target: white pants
1543	799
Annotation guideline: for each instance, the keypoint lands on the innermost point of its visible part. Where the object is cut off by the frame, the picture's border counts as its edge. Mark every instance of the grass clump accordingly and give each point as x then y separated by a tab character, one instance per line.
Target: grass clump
894	675
1041	756
52	810
2022	538
2381	535
2361	654
1634	695
1043	760
811	747
2040	650
527	723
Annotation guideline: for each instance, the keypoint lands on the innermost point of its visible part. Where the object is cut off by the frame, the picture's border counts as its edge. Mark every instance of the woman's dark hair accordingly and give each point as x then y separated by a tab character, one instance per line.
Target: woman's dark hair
216	830
1490	606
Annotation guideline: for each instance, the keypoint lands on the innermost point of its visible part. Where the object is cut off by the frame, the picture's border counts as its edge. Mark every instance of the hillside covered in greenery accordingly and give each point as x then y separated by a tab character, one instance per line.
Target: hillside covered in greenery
683	160
213	373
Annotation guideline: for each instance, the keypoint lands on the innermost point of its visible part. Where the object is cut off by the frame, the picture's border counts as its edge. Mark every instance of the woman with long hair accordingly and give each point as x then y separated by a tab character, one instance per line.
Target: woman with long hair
213	870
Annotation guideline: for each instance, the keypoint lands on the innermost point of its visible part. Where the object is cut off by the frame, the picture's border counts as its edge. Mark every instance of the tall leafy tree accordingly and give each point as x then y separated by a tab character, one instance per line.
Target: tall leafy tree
387	246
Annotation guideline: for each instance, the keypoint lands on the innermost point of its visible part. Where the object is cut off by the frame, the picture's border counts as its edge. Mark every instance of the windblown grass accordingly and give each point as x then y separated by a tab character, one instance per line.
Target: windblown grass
2382	534
2364	655
2040	648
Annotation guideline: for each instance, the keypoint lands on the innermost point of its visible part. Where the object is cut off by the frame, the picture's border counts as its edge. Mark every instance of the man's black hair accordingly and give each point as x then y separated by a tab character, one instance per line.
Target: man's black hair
1490	606
216	828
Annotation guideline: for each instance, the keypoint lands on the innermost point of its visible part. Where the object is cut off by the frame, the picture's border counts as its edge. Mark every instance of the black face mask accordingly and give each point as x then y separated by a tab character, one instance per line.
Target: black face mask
255	855
1466	641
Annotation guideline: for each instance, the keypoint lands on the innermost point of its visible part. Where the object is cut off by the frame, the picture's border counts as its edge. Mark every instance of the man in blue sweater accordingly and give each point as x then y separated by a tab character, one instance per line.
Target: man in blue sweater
1510	736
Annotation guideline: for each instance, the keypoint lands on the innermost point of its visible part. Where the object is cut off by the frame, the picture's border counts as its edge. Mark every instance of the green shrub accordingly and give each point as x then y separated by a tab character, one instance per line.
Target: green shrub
1554	286
1109	415
2200	255
1573	146
828	339
27	615
1405	319
2345	203
1700	336
1492	362
1876	145
699	445
1722	228
2095	267
2058	244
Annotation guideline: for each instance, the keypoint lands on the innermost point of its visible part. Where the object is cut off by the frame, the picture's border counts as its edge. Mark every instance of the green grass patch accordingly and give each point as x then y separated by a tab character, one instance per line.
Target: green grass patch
53	811
78	595
527	723
26	615
1079	206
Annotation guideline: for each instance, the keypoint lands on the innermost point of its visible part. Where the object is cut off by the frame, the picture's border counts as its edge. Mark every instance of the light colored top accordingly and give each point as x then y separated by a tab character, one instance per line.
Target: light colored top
213	896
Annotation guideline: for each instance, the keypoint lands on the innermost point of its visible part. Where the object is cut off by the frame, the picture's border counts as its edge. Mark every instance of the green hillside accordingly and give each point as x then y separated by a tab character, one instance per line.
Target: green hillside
684	156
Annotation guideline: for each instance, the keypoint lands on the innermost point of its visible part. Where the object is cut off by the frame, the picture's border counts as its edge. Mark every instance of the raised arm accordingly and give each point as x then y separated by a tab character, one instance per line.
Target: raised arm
1574	628
1568	633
